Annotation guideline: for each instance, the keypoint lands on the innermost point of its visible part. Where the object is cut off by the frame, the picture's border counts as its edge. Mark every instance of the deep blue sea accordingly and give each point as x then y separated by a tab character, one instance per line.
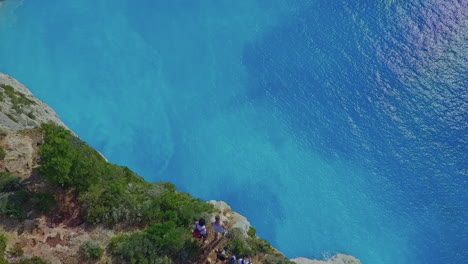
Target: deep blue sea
334	126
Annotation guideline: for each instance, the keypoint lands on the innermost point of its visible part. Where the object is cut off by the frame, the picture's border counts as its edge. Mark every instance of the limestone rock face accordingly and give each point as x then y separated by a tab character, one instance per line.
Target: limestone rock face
337	259
20	110
19	159
234	219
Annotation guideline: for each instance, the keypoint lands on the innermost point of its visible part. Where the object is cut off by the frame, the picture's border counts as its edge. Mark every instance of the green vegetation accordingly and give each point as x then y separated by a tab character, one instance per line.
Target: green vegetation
2	153
44	202
113	195
32	116
18	99
252	232
9	183
14	119
92	250
240	245
14	205
157	244
17	200
15	197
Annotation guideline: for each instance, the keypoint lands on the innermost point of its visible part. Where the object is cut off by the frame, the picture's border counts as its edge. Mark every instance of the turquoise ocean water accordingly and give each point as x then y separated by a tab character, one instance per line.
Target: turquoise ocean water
334	126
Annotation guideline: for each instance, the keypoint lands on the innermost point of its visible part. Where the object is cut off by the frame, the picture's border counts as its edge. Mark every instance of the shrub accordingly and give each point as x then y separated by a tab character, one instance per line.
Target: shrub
252	232
14	205
56	155
92	250
44	202
2	153
16	251
32	116
276	259
260	246
240	245
237	243
111	194
9	183
18	99
157	244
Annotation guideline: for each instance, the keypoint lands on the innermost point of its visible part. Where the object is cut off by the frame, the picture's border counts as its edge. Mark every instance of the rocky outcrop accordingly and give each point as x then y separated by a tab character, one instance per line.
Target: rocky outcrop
19	159
234	219
19	109
337	259
239	221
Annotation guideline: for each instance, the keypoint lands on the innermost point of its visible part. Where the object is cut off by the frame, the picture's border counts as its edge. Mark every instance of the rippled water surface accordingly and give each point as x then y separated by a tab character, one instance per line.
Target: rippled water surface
334	126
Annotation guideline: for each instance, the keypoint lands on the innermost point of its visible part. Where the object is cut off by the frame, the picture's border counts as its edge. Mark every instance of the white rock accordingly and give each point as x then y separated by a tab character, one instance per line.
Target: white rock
42	112
234	219
19	154
337	259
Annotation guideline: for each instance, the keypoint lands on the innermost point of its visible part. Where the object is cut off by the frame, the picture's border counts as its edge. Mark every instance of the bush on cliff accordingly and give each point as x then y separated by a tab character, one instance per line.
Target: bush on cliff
44	202
92	250
240	245
111	194
67	161
10	183
157	244
14	205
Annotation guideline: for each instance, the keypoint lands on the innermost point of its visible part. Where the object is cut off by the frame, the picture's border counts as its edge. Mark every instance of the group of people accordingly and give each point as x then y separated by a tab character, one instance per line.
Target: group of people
219	229
221	255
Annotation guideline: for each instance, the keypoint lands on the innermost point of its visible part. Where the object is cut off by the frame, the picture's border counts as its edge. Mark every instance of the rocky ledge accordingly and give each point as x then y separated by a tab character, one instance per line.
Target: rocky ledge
337	259
20	110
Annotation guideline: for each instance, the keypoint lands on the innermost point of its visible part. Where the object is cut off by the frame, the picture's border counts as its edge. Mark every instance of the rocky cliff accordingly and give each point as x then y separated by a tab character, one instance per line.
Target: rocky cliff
19	109
337	259
59	236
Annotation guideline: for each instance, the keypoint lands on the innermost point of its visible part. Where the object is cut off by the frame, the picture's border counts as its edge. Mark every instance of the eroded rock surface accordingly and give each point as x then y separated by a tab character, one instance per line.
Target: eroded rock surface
20	110
19	154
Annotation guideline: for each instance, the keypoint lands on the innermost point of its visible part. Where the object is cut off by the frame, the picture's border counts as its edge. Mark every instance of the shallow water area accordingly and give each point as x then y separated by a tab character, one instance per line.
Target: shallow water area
334	127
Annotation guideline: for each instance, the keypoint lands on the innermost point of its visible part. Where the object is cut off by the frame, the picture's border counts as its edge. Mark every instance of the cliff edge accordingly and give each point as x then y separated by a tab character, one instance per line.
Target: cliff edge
337	259
62	202
20	110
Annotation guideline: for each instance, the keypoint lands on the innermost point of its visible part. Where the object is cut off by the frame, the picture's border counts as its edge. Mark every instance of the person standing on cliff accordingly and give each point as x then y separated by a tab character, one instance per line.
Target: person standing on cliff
218	227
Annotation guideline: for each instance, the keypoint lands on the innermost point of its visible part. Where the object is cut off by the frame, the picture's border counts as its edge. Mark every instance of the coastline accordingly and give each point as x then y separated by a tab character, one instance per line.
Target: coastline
15	121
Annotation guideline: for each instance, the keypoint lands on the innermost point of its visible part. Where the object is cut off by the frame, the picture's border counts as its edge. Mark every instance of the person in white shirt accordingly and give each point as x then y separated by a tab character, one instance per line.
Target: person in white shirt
218	227
245	260
200	230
